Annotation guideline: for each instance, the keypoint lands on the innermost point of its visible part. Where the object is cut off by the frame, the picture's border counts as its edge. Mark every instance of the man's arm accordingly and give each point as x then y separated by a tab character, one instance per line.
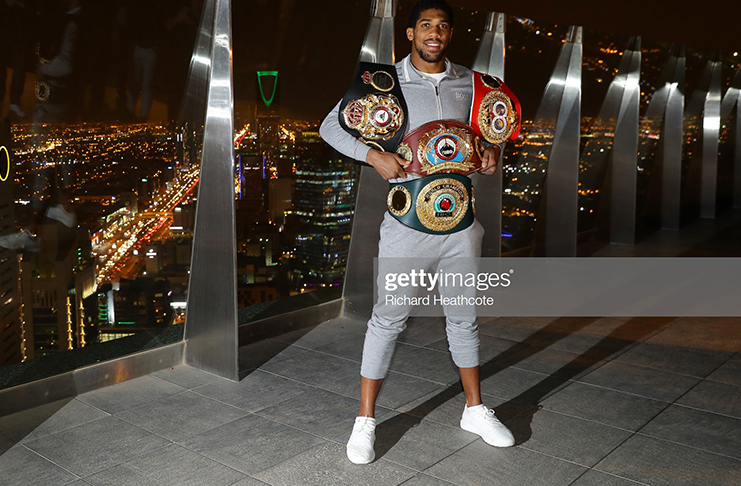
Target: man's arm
387	164
340	140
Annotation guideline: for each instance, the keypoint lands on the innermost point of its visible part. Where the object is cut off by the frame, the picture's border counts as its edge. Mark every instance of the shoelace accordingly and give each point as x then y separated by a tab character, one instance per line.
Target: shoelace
491	416
365	430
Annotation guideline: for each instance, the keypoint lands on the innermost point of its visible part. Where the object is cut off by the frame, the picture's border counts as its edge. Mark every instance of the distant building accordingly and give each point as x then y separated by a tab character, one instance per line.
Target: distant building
184	217
54	283
132	306
324	203
11	331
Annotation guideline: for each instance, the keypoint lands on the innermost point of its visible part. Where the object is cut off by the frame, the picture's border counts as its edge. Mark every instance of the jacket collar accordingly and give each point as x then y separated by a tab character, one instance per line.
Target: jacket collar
411	73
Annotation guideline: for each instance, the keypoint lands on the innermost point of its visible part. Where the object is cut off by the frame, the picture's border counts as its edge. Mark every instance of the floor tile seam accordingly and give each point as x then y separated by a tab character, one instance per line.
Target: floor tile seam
81	397
275	359
568	461
178	441
554	375
395	409
659	369
425	346
303	383
500	336
703	351
304	346
76	476
592	421
427	472
166	381
274	420
629	435
185	388
408	375
624	392
154	451
682	444
249	411
316	351
216	460
69	429
421	471
631	344
24	441
89	405
428	475
734	417
610	425
327	353
117	414
608	474
702	379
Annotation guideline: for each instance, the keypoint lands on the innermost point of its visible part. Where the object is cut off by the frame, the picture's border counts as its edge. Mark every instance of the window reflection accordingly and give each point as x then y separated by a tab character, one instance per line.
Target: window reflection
96	217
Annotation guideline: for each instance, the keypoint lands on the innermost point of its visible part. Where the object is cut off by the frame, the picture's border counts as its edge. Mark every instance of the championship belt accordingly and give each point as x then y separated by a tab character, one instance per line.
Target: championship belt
442	146
439	204
495	113
373	109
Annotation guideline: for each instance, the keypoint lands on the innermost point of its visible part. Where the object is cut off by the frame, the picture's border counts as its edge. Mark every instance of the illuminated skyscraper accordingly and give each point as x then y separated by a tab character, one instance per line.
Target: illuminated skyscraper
11	331
324	202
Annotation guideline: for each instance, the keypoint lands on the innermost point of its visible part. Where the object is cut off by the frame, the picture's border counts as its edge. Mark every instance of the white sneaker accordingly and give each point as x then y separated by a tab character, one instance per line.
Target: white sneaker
360	446
60	214
23	240
482	421
18	111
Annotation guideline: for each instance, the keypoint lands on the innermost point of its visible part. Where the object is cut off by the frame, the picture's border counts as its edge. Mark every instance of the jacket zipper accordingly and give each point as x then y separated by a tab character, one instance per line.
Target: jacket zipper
439	104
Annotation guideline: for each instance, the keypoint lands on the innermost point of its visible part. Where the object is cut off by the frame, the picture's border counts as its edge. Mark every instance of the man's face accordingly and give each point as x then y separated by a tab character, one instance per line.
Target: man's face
431	35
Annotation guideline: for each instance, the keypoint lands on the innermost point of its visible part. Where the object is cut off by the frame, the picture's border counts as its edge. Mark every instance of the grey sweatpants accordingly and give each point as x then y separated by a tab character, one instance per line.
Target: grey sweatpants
399	242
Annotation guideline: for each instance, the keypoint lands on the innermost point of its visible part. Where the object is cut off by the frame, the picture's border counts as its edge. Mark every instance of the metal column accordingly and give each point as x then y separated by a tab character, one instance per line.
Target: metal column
731	101
671	140
211	320
370	204
710	134
490	56
562	100
623	99
490	60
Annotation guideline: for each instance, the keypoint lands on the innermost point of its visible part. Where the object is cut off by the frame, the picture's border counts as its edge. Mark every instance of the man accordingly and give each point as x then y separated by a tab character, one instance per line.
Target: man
434	89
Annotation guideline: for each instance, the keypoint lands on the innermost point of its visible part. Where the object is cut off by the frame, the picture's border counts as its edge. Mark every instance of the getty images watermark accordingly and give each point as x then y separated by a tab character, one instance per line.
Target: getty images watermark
454	288
550	287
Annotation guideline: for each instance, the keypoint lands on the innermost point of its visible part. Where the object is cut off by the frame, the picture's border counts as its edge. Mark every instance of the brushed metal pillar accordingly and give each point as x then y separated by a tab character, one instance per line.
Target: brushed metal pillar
623	98
490	59
731	102
378	45
196	89
710	141
370	204
211	319
562	101
490	55
664	118
671	142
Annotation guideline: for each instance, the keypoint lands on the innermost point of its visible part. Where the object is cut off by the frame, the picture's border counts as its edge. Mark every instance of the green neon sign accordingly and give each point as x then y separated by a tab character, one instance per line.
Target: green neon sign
260	74
4	160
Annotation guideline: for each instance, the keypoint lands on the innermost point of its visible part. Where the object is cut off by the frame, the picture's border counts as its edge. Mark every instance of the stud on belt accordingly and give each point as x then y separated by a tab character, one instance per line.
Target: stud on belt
439	204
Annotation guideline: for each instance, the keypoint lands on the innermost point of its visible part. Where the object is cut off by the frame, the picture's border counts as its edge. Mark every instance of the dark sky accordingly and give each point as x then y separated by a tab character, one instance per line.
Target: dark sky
315	45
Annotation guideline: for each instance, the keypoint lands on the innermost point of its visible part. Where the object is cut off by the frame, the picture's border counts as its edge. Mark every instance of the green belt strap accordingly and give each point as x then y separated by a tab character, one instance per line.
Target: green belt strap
445	203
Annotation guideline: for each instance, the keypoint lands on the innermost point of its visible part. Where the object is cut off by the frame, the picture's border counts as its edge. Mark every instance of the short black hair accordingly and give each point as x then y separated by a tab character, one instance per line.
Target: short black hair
423	5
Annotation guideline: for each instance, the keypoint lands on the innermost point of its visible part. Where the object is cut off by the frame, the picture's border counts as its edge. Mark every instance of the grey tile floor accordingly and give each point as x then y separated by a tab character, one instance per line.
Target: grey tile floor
610	401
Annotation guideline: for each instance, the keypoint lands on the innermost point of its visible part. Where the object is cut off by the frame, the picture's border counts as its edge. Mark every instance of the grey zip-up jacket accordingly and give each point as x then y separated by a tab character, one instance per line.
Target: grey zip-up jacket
426	102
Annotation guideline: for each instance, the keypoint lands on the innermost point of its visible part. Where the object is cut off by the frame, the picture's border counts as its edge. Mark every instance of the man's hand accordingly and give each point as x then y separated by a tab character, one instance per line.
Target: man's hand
389	165
490	160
